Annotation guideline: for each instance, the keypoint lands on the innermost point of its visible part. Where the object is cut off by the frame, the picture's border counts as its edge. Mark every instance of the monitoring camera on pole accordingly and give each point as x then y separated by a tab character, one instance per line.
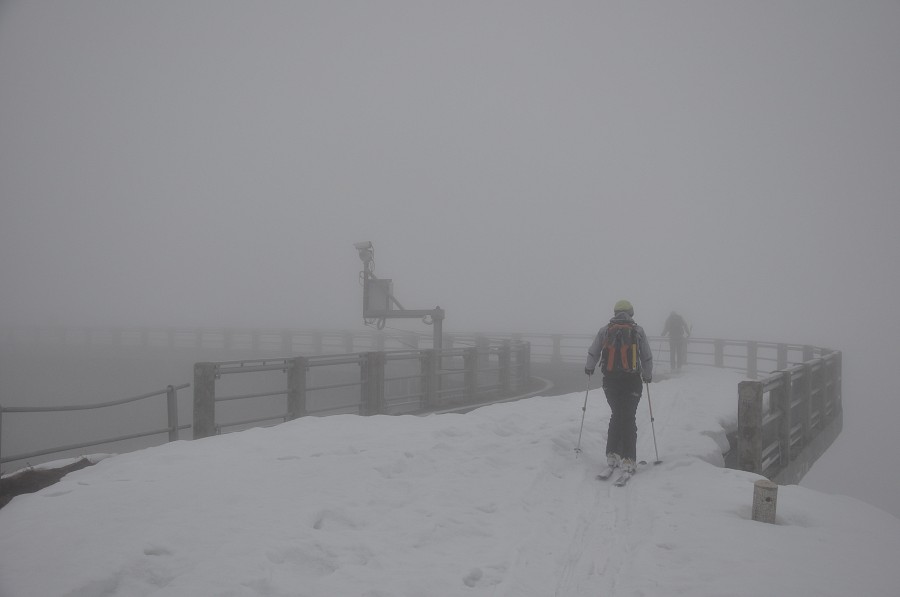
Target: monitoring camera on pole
379	302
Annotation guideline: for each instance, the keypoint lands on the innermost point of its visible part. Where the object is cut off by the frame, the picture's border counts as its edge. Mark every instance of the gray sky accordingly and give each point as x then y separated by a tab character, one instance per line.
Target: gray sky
521	164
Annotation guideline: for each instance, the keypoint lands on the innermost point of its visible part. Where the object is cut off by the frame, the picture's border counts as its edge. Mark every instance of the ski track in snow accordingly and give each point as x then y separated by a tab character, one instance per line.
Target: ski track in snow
597	527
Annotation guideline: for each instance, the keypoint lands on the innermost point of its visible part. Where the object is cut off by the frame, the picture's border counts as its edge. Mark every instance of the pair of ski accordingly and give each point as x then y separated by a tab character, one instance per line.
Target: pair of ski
621	479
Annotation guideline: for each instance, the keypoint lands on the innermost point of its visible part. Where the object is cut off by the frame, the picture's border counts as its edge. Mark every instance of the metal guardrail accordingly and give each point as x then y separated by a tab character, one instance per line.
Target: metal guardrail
388	382
787	419
393	376
171	394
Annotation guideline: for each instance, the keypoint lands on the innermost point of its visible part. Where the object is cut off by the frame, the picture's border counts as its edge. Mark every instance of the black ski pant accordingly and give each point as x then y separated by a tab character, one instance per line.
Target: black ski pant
623	397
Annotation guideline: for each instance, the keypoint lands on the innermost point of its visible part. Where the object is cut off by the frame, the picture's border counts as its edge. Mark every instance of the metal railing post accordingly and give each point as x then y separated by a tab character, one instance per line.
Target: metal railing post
556	358
809	353
470	363
204	400
504	355
523	365
782	360
428	365
372	375
750	403
348	342
296	387
752	362
783	400
172	408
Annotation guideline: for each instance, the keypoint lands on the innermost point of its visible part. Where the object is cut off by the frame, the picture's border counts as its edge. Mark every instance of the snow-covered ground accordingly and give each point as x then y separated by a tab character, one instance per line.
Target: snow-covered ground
493	502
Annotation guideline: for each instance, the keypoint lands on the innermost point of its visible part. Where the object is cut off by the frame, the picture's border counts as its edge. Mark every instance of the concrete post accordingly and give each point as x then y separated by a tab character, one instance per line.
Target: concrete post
765	498
287	343
296	387
172	409
719	347
204	400
750	405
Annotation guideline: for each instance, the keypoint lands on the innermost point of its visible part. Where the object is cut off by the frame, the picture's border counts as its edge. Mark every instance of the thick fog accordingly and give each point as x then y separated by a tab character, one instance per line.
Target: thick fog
521	164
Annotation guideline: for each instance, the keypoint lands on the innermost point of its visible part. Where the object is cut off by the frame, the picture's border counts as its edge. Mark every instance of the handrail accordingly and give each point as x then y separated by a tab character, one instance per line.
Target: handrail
171	393
420	381
394	375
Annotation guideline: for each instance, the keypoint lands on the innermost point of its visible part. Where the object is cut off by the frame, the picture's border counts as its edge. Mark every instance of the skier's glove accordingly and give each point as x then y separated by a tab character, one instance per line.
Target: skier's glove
647	379
588	370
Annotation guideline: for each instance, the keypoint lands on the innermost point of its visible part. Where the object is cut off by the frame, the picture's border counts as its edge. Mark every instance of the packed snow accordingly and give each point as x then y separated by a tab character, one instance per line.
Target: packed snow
493	502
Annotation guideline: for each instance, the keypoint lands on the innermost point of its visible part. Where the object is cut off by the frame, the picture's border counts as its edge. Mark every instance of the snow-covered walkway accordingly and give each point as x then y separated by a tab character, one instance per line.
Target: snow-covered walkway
493	502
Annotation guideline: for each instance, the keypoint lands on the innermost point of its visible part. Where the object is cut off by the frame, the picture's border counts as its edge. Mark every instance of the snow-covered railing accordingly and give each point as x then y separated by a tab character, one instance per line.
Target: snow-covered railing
172	428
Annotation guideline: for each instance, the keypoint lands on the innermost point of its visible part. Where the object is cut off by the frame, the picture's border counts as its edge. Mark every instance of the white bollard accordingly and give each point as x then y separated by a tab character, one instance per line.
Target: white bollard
765	496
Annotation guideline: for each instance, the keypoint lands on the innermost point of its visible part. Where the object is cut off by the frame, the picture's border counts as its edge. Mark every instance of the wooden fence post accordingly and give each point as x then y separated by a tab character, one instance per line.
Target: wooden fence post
750	394
204	400
296	387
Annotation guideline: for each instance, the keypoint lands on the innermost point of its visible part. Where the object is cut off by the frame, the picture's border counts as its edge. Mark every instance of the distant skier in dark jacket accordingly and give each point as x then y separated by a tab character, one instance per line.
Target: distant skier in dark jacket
625	366
677	330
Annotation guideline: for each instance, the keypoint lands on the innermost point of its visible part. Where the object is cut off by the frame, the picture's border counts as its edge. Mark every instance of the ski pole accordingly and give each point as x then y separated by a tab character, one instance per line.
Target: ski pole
583	412
652	426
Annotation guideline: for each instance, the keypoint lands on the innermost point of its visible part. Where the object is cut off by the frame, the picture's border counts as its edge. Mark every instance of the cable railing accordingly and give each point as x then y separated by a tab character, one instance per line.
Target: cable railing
172	427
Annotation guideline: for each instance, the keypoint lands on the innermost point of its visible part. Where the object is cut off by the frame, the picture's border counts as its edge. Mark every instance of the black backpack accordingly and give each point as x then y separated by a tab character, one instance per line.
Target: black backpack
621	354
